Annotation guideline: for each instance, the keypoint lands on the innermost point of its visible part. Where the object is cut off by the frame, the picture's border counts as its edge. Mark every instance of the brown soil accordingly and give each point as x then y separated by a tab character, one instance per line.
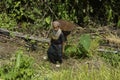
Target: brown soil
7	47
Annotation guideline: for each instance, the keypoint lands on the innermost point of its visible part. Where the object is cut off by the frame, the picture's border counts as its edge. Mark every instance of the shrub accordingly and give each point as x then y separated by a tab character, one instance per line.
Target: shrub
86	47
7	22
18	69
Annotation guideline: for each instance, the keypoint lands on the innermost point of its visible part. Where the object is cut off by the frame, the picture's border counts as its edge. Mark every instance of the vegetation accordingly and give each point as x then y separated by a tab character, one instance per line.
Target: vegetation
39	13
19	68
85	74
113	59
84	61
86	47
7	22
23	67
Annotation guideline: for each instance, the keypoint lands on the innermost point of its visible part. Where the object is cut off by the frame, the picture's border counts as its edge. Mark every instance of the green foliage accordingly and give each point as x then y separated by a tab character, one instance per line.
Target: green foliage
112	58
94	46
86	47
65	14
71	50
109	13
47	19
85	42
19	69
83	72
7	22
38	14
86	19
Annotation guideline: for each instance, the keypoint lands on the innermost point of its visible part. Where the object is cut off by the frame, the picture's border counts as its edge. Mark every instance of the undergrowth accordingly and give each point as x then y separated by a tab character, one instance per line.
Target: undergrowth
79	72
7	22
112	58
22	66
19	68
85	47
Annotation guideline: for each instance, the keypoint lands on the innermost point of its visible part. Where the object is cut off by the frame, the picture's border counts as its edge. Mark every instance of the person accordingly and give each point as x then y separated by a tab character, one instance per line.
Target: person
56	49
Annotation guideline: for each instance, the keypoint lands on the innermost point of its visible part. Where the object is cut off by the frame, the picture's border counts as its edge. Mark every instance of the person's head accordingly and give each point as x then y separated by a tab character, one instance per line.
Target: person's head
56	25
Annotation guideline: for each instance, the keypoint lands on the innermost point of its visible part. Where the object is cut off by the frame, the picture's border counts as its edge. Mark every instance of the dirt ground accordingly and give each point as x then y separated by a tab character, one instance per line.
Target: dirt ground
7	48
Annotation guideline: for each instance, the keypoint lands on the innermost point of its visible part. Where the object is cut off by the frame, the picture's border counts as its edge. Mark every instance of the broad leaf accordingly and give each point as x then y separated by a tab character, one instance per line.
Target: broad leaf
85	42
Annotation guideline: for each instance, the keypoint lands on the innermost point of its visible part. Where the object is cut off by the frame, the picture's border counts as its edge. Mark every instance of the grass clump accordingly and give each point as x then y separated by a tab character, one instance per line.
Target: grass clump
20	68
83	73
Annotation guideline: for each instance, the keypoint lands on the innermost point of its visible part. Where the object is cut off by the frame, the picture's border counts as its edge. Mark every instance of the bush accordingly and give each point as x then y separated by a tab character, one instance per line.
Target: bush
7	22
86	47
18	69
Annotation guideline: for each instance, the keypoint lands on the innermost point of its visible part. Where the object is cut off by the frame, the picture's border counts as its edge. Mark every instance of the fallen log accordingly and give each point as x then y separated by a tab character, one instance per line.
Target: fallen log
4	31
24	36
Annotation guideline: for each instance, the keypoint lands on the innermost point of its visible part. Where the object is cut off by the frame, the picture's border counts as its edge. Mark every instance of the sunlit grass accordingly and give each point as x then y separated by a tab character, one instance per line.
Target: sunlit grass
82	72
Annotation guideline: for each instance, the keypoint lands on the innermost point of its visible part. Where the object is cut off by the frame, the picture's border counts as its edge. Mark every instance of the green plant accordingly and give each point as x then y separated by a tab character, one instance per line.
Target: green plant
86	47
19	69
112	58
94	46
82	72
7	22
76	10
71	50
84	44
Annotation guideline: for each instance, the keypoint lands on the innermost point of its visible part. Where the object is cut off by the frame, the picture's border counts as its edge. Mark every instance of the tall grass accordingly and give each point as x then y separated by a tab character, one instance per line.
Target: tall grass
83	73
21	69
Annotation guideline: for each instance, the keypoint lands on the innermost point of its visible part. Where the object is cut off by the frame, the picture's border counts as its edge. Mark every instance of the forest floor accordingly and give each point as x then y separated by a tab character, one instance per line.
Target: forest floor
9	46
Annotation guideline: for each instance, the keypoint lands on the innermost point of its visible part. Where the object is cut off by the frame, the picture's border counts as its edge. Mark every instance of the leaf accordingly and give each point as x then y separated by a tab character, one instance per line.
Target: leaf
47	19
84	44
86	19
10	1
85	41
36	10
17	4
70	49
110	15
18	59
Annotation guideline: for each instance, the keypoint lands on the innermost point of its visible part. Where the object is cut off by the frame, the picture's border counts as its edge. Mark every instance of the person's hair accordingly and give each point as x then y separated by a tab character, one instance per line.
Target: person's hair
56	23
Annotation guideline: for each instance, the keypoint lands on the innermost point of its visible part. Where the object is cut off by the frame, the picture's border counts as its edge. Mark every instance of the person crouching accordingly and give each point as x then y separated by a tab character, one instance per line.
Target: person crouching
55	49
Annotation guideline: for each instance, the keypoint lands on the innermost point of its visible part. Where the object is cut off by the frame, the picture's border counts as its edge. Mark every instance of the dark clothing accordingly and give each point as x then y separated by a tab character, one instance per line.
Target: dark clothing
66	33
55	50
